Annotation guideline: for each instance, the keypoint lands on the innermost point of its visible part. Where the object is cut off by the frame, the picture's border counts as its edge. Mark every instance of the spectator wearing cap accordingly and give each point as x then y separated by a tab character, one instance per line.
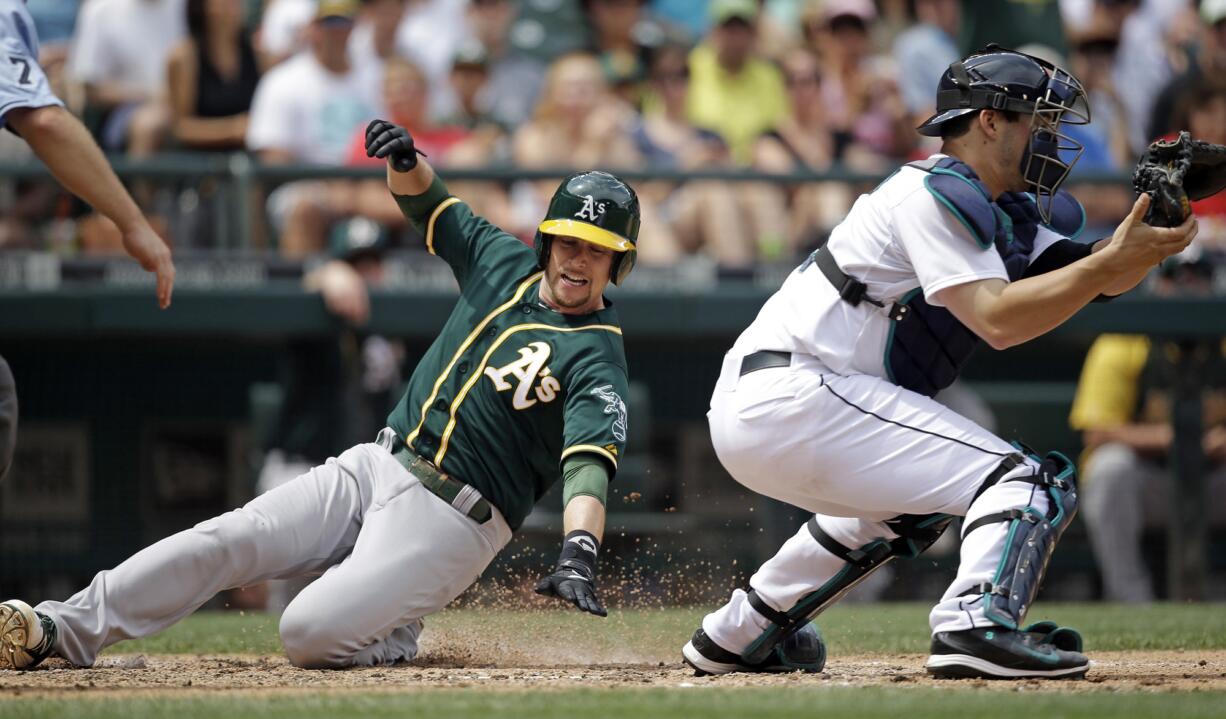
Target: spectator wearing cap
863	105
924	51
304	111
733	92
119	54
514	79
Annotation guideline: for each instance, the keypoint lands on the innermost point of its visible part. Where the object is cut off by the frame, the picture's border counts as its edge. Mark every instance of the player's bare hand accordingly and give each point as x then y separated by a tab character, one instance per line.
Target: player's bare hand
144	245
343	290
575	585
1138	245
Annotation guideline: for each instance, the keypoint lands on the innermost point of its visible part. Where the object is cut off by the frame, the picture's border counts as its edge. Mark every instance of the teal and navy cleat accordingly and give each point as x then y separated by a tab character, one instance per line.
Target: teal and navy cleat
26	637
1000	653
801	651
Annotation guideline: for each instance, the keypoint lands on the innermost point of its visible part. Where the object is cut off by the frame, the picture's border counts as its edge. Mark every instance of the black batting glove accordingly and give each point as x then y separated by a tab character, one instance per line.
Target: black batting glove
574	578
393	143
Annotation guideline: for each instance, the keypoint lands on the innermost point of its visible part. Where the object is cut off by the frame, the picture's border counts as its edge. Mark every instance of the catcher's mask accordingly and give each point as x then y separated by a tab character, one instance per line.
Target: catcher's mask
999	79
595	207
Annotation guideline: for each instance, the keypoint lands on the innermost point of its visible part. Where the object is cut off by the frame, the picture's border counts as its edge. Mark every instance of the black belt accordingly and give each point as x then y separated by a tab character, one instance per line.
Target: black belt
445	487
764	359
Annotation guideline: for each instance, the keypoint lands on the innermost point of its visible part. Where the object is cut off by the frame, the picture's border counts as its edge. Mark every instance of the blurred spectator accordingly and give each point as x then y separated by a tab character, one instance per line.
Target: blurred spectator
1123	409
120	54
373	41
283	29
1142	62
924	51
514	79
1206	59
304	111
429	34
212	76
803	140
699	216
1106	137
469	78
1011	24
623	36
577	123
732	91
872	128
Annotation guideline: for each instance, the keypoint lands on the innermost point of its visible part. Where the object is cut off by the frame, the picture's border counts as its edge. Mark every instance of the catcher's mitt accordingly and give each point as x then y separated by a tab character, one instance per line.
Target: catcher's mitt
1175	172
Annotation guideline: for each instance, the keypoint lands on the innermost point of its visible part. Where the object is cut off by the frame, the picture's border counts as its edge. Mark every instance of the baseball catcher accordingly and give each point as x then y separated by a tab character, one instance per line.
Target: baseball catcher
825	401
522	388
1173	173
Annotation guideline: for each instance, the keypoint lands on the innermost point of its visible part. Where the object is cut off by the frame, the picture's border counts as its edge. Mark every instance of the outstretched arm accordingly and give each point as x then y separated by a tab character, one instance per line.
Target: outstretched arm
574	580
66	148
1009	313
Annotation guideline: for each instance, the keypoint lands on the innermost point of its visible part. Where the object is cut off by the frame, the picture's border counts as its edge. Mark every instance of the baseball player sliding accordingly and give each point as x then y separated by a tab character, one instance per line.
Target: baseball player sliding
30	110
825	400
522	387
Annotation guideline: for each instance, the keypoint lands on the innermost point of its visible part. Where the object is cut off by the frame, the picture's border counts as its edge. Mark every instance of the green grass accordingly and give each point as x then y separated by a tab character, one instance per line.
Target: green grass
708	703
849	629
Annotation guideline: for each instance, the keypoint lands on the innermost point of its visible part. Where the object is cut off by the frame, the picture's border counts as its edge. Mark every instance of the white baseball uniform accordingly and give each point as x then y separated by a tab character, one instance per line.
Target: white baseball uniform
833	435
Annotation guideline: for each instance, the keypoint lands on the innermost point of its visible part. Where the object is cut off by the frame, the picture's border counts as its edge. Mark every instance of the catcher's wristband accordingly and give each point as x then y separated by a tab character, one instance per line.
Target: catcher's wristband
579	552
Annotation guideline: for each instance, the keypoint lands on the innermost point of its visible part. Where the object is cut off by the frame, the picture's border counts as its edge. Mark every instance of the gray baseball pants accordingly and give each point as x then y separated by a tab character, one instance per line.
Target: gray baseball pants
391	552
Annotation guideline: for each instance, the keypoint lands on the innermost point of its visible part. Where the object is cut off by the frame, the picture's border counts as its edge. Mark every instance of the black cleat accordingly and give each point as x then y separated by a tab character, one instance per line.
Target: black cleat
801	651
1000	653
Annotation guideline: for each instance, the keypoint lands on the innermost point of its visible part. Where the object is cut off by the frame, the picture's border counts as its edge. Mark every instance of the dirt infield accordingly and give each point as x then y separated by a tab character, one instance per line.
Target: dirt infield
454	666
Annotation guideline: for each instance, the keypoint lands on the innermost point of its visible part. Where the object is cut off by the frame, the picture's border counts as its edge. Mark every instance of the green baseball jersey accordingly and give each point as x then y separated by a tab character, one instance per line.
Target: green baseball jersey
510	388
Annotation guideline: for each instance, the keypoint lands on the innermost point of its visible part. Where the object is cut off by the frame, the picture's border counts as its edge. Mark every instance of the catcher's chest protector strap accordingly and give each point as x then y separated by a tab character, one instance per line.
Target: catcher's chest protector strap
927	346
1029	544
915	534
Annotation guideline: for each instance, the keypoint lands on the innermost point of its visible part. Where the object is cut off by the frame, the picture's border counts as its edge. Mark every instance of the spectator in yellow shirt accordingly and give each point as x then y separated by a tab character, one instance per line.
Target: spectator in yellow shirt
1123	409
733	92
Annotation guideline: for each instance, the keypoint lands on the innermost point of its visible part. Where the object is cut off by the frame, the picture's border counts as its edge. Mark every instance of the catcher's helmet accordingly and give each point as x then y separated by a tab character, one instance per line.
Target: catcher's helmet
596	207
1000	79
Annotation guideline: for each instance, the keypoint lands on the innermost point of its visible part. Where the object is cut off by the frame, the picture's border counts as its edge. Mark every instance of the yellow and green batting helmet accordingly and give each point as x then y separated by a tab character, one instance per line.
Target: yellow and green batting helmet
595	207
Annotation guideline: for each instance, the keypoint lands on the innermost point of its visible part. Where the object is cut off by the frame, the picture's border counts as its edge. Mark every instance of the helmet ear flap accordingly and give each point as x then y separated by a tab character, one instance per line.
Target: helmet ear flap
542	244
622	264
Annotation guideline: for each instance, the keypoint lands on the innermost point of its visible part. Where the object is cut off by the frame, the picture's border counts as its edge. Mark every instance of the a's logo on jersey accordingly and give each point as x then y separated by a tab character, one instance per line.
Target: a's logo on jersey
527	369
591	210
616	407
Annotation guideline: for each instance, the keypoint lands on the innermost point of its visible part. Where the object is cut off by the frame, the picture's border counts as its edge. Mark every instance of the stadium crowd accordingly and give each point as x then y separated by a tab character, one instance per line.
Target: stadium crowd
777	86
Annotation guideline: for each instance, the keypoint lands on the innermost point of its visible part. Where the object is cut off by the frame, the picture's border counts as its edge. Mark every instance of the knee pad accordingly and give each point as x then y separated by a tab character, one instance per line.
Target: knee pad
1030	541
915	534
